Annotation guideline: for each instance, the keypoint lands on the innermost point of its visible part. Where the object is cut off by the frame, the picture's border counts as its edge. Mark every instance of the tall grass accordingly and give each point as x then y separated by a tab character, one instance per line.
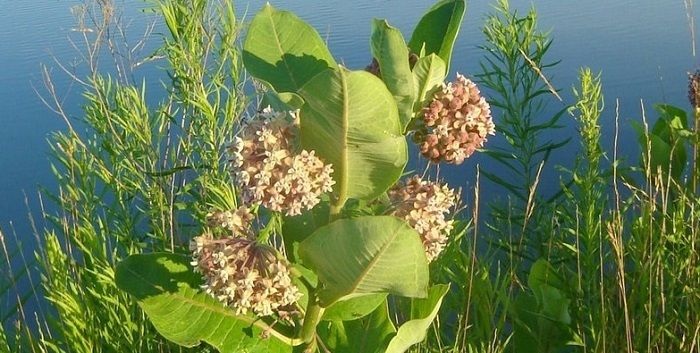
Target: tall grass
616	248
133	175
609	263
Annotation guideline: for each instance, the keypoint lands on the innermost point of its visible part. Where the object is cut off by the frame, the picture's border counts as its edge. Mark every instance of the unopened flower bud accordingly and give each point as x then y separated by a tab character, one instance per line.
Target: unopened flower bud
455	123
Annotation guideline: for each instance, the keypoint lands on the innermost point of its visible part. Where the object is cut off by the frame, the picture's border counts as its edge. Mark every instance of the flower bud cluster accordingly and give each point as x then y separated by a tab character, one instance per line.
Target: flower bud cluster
245	275
267	170
455	123
425	205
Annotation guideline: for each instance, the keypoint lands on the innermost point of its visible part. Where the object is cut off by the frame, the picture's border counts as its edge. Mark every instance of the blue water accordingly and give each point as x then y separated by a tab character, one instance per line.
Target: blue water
642	47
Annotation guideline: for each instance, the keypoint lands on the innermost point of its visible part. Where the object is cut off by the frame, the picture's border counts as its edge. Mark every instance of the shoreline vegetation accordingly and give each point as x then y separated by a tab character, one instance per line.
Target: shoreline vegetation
610	263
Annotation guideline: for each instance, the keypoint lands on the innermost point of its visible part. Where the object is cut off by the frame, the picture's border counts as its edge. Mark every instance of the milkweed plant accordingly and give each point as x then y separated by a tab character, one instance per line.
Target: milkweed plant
292	268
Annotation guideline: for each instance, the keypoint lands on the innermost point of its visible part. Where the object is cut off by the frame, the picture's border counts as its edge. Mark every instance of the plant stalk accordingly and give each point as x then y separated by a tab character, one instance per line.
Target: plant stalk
311	319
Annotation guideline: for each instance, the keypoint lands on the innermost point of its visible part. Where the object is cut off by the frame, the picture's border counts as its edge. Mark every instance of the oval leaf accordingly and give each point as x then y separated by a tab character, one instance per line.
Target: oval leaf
437	30
428	75
168	291
423	313
372	254
283	50
353	308
350	119
391	52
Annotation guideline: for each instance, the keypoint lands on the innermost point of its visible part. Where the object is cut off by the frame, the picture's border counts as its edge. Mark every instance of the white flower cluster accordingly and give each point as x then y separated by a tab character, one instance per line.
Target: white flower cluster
267	170
245	275
425	205
455	124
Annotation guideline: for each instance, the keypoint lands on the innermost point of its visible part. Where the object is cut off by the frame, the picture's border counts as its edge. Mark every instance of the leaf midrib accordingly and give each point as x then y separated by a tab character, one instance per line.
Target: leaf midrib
374	260
279	46
345	116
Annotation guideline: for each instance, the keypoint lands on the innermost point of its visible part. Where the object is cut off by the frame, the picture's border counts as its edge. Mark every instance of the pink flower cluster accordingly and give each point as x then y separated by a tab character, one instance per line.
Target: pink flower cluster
455	123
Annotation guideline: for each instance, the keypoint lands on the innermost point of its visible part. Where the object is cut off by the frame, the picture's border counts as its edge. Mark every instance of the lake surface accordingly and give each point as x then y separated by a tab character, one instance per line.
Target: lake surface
642	47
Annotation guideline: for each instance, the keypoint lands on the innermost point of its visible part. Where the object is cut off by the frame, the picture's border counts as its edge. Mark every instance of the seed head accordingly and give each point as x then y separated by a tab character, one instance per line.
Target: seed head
424	205
245	275
694	89
455	123
269	172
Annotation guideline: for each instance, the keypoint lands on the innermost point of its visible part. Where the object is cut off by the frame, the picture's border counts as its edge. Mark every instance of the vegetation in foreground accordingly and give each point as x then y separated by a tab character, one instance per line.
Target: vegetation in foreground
609	263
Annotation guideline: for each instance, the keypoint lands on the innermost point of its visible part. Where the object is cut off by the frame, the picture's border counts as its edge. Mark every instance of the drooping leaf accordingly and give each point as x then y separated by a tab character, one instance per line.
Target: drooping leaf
549	288
423	313
665	156
676	117
168	291
283	50
663	146
391	52
428	75
353	308
371	254
541	317
369	334
350	119
542	274
437	30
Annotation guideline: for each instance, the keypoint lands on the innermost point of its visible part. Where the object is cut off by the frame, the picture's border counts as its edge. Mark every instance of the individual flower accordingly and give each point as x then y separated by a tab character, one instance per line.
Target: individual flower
245	275
455	123
267	170
234	221
424	205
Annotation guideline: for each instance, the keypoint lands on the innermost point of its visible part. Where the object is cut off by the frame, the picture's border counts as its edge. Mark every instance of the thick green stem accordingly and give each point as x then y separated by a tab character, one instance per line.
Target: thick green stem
311	319
335	210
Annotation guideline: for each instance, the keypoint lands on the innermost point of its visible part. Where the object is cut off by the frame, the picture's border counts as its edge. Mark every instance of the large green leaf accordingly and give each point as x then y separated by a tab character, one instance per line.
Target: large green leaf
549	288
369	334
283	50
370	254
541	317
350	119
391	52
437	30
666	141
423	312
428	75
168	291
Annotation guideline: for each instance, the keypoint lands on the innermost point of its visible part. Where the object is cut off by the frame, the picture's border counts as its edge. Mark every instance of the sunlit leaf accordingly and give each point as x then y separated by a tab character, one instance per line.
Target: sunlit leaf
391	52
350	119
283	50
168	291
437	30
371	254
